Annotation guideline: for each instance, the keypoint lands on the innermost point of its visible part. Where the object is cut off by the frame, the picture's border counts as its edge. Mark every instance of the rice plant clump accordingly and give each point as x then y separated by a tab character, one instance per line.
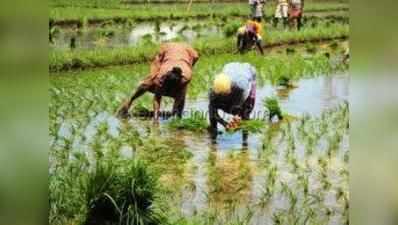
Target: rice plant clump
125	196
252	126
284	81
273	107
231	28
193	123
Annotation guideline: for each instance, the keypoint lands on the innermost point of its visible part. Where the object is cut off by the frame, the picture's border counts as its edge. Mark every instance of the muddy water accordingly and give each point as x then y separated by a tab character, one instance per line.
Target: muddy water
233	179
309	97
120	36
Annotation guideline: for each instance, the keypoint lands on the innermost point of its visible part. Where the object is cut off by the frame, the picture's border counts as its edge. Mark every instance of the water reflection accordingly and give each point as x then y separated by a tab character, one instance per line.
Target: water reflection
121	36
308	153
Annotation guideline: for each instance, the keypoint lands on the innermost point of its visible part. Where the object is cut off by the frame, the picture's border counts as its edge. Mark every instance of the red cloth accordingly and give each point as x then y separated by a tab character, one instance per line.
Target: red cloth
295	11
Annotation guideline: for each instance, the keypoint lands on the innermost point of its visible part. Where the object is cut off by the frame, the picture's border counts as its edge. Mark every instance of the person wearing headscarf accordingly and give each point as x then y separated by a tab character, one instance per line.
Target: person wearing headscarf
248	36
234	92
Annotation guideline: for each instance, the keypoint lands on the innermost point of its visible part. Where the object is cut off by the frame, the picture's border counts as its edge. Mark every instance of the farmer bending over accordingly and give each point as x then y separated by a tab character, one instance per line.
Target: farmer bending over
249	36
171	72
234	92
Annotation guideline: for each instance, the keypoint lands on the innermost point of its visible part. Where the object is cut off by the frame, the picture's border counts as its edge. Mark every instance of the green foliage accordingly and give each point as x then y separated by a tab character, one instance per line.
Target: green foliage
69	10
231	28
60	60
95	184
311	48
141	109
68	60
252	126
193	123
272	105
284	81
124	195
111	190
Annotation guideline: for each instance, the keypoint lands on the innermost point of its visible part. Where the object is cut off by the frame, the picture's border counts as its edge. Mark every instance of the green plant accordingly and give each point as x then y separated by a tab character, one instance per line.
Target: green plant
272	105
284	81
231	28
122	195
193	123
252	126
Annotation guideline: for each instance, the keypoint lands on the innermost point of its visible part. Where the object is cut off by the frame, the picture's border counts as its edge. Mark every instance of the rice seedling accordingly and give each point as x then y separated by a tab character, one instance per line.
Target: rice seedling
74	11
113	190
334	45
252	126
284	81
231	28
127	199
78	107
312	49
61	60
193	123
290	51
272	105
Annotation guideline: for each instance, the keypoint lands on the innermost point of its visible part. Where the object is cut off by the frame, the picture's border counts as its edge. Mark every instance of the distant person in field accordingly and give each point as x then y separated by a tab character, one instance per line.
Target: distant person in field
249	36
296	12
234	92
281	13
259	11
252	6
170	74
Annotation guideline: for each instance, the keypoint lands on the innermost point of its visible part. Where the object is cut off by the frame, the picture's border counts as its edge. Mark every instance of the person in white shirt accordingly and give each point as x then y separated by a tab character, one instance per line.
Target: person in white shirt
252	6
281	13
259	11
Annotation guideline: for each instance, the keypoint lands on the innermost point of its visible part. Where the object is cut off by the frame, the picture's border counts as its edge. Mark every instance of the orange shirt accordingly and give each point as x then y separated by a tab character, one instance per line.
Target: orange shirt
255	25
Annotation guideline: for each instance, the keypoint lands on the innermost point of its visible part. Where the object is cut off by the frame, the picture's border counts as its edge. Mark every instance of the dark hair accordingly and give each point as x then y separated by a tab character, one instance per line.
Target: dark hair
172	78
236	109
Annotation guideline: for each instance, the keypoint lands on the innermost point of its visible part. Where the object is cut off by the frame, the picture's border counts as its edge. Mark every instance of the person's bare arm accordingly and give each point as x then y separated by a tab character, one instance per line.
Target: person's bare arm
124	108
194	54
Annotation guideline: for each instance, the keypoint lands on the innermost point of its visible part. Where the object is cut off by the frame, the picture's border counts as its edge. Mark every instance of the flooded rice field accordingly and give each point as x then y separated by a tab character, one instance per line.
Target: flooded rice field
294	171
130	34
121	36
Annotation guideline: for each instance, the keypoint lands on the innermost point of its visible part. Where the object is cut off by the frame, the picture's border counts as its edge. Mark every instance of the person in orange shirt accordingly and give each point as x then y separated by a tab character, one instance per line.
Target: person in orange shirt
249	36
170	74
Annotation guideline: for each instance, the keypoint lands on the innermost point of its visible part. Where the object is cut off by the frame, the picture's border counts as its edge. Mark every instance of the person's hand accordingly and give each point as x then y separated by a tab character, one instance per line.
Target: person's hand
123	111
234	123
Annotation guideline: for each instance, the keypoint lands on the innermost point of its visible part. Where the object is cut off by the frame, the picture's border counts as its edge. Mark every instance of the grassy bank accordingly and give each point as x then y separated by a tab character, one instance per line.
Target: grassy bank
126	3
81	15
82	59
